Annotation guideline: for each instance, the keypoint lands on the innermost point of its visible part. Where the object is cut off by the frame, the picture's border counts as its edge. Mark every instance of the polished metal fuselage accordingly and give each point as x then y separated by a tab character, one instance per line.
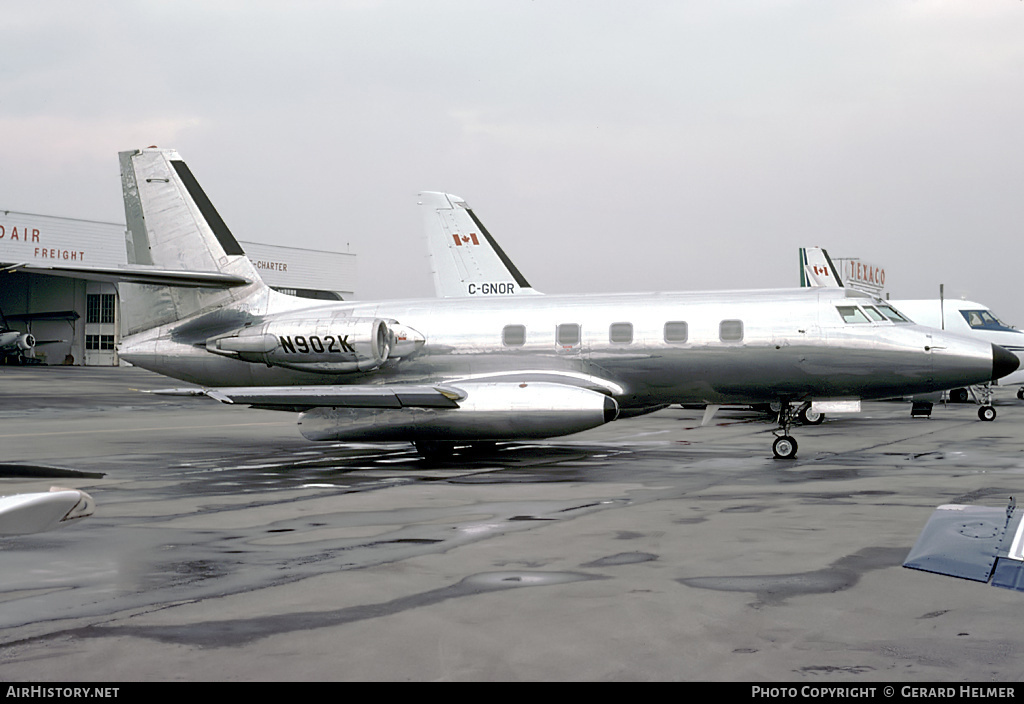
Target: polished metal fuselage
791	345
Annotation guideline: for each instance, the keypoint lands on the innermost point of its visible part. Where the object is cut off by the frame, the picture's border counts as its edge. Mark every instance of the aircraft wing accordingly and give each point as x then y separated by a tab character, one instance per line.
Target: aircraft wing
461	410
447	395
136	275
22	514
817	269
980	543
465	259
346	396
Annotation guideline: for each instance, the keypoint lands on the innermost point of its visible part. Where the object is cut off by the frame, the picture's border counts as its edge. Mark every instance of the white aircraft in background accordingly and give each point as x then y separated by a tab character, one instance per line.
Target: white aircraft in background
956	316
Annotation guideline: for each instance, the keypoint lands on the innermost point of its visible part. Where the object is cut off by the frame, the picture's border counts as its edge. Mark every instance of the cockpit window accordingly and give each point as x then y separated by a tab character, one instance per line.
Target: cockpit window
892	314
852	314
984	320
874	314
878	312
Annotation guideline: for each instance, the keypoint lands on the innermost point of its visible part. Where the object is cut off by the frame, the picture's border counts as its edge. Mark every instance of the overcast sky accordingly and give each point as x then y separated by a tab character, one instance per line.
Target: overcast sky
608	146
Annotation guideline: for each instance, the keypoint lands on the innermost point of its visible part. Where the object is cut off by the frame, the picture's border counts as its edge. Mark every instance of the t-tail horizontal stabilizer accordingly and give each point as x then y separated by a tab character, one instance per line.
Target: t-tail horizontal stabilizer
979	543
465	259
135	275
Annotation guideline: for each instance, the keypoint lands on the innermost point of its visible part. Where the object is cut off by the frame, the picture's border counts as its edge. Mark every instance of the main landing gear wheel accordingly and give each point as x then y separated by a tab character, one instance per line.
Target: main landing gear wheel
784	447
1020	393
808	416
959	396
987	413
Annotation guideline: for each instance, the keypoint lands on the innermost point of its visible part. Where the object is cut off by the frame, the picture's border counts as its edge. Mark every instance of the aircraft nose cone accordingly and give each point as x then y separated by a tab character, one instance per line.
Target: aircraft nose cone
1003	362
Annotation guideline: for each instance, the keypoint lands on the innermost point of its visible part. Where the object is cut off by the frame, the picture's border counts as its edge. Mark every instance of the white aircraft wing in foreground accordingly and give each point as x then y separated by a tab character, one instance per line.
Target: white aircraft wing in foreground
22	514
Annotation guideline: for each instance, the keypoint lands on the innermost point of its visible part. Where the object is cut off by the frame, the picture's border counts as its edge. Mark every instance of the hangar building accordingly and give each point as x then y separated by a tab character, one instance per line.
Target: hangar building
77	322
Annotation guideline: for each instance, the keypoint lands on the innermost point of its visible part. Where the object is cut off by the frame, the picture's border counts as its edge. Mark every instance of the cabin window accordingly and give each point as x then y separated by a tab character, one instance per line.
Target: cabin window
730	330
621	333
514	335
852	314
568	334
676	331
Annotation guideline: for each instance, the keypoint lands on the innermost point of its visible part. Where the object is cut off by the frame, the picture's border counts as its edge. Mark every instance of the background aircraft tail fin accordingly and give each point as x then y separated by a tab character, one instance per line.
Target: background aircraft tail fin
465	259
173	225
817	269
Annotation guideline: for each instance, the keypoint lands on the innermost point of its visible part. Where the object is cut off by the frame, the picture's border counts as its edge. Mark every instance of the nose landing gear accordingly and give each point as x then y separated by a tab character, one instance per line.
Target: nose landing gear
785	446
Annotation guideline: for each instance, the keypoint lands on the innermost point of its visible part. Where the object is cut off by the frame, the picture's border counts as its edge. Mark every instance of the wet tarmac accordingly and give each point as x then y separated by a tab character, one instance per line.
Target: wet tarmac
226	547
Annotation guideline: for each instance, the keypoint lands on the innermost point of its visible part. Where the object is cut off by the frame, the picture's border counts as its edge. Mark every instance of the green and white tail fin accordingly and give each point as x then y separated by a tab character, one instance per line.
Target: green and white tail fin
817	269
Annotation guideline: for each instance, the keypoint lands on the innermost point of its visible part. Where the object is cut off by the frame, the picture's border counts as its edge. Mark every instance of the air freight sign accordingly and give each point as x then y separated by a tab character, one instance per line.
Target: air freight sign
31	244
42	239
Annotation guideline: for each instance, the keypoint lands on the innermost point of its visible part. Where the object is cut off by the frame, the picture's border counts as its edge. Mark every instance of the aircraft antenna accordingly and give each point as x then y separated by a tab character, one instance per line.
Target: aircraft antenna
942	305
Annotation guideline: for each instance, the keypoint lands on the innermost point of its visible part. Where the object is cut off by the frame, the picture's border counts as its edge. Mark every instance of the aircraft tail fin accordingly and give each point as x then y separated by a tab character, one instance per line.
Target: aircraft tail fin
173	225
817	269
465	259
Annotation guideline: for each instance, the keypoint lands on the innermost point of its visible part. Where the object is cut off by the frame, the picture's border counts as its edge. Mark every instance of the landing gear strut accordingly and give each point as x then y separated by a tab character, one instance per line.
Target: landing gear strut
984	396
784	447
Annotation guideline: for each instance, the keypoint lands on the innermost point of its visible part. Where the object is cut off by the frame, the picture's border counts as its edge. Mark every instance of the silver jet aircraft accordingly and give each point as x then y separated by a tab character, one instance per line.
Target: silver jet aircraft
464	370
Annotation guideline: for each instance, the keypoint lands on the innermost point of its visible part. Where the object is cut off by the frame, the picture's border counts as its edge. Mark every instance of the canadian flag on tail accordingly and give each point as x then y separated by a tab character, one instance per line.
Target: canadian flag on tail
465	239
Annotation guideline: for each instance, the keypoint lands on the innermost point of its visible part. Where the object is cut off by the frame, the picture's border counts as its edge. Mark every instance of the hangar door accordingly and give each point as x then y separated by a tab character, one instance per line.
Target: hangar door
101	324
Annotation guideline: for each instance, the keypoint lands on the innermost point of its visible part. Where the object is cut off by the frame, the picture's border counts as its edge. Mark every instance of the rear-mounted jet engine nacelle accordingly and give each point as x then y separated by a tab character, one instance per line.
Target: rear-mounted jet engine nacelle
328	345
